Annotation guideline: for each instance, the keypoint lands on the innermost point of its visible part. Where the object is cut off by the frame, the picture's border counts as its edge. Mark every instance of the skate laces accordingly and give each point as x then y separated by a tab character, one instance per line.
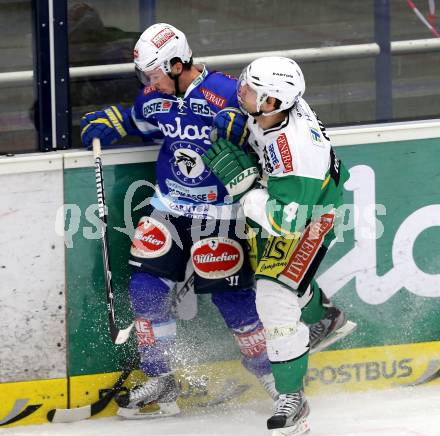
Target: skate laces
317	330
321	328
288	404
149	389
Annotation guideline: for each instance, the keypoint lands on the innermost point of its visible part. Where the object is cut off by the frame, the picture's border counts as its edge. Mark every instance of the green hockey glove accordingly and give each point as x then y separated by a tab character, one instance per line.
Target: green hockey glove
232	166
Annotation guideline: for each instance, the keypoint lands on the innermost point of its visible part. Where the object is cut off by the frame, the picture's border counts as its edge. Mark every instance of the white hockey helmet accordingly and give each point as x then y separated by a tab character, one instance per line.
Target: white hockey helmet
158	45
277	77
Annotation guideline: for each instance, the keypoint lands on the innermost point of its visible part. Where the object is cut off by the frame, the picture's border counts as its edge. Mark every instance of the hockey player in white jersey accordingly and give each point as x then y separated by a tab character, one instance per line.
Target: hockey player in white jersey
291	211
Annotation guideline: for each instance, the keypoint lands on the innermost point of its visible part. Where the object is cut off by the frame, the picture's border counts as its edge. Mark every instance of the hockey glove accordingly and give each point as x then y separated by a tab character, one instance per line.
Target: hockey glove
232	166
231	124
109	125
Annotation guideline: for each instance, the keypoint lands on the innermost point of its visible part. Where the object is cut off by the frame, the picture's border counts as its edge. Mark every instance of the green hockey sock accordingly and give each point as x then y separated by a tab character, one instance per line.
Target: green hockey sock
314	311
289	375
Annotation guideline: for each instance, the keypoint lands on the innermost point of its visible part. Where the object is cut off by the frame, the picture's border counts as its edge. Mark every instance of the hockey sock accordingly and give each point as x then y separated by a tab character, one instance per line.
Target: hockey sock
314	310
251	340
289	375
155	327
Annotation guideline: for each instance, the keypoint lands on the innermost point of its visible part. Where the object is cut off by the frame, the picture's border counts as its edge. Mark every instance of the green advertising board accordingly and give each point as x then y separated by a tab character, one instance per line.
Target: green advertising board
385	273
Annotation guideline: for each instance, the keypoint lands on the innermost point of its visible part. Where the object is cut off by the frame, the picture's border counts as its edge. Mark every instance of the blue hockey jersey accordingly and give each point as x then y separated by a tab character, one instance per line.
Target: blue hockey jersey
185	123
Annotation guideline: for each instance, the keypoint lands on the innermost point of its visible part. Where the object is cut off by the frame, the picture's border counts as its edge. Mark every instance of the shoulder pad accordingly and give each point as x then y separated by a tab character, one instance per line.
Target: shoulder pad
218	89
217	78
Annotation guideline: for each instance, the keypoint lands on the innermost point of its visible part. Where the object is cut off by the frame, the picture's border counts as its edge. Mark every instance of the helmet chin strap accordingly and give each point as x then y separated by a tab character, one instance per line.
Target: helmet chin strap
268	114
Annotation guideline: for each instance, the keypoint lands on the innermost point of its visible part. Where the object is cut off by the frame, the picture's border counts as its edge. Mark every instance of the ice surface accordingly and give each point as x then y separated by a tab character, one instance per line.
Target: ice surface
401	412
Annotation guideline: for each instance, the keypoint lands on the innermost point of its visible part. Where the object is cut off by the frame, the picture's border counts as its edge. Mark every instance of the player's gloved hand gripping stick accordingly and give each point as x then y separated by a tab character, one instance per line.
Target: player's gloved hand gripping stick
118	336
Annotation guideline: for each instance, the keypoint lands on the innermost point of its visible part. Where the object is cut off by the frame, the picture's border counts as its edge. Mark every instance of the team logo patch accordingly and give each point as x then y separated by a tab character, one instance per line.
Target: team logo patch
199	106
144	332
151	239
156	106
316	136
272	159
252	344
217	258
161	38
199	211
206	194
189	131
212	97
306	250
286	156
187	164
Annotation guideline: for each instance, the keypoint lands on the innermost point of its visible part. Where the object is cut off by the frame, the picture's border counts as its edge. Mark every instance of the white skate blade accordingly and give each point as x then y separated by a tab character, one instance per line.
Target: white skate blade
343	331
300	427
160	410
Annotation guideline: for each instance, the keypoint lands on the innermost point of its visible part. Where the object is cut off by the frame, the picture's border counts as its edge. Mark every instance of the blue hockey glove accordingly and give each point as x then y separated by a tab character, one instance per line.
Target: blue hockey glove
232	166
230	124
109	125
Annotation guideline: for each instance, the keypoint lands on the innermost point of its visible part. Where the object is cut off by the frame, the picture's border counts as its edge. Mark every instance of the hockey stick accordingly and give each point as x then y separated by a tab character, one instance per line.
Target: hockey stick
85	412
184	301
118	336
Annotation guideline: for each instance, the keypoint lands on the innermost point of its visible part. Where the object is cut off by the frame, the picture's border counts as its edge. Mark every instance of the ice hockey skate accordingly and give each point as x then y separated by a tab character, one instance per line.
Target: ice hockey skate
333	327
153	399
290	415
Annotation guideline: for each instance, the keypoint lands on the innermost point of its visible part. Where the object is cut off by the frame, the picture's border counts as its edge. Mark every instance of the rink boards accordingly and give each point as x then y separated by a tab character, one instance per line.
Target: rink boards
226	383
53	299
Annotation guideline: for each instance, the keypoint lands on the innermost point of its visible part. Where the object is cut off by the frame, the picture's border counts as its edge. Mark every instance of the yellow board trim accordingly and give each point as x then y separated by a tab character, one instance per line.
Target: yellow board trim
354	370
46	394
373	368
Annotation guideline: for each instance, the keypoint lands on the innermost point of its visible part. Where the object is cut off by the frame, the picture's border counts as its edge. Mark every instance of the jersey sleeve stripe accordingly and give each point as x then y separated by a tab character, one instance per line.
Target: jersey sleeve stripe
279	229
325	183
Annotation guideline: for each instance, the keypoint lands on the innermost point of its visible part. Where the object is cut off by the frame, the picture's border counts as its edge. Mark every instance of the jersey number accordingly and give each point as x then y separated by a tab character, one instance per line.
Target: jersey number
233	280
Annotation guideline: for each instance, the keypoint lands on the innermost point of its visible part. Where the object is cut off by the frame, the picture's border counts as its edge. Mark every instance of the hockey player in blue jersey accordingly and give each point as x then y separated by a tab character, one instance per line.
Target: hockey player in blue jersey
177	104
